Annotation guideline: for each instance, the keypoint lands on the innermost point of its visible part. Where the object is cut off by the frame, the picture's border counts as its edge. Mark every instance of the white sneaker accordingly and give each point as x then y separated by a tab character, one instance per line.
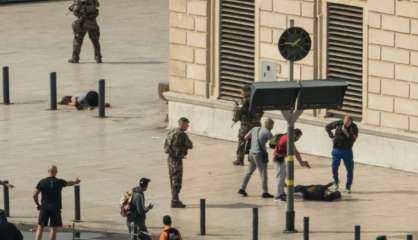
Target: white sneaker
336	186
348	190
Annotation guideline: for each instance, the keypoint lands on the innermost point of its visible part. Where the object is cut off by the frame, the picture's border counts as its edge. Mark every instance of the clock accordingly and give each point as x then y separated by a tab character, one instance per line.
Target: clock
294	44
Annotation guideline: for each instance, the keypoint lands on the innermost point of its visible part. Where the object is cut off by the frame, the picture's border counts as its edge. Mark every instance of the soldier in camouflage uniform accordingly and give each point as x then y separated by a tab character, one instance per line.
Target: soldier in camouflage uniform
86	12
248	121
176	146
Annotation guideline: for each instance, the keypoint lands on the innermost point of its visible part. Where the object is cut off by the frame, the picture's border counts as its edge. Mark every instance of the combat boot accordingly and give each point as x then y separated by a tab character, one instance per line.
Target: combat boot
238	162
73	60
98	60
177	204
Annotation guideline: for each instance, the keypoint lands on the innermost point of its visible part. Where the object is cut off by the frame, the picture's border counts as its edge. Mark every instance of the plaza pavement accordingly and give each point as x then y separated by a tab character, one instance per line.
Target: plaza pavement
110	154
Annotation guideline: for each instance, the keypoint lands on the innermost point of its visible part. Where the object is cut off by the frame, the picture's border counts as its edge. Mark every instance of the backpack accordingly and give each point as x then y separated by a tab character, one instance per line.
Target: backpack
169	142
273	141
172	234
125	203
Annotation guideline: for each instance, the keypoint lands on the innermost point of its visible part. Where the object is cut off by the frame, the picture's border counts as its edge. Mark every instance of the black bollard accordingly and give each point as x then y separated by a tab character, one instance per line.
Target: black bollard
102	102
202	217
53	86
6	199
6	86
357	232
409	237
306	228
77	208
255	223
381	238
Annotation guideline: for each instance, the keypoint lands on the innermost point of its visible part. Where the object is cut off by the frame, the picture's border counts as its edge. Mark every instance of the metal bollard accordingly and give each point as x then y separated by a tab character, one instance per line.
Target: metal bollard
202	217
357	232
77	208
6	86
53	87
381	238
255	223
306	228
409	237
102	102
6	199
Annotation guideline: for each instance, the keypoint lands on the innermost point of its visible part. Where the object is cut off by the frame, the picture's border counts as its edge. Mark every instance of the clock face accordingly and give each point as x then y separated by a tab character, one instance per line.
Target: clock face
294	44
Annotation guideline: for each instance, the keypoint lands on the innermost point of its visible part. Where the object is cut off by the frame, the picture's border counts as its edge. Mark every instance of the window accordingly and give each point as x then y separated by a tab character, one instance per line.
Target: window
237	44
345	54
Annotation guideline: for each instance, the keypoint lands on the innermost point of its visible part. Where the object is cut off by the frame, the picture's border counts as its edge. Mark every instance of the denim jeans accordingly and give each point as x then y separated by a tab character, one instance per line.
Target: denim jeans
347	156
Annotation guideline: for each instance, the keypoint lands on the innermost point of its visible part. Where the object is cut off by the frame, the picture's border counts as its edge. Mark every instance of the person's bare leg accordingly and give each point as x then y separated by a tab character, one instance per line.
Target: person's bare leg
52	233
39	232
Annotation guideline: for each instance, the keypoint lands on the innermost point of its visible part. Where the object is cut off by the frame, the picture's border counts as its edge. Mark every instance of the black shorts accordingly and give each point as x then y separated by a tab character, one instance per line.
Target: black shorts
52	216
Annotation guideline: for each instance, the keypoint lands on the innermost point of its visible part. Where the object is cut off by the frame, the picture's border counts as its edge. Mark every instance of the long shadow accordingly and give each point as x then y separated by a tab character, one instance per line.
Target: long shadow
228	205
407	192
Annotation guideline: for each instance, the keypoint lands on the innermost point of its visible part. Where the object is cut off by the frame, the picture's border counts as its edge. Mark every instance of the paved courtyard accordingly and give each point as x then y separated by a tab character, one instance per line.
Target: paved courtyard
110	154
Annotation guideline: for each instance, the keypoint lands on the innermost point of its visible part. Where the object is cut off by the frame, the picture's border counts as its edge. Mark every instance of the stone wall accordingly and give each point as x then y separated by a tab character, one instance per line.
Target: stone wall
188	38
274	19
393	64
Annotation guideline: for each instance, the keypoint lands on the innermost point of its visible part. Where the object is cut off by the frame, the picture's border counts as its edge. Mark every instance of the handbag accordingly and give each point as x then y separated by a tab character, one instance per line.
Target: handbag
264	153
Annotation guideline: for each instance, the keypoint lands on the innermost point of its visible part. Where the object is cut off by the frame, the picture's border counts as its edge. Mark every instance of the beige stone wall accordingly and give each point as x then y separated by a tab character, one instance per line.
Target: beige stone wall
274	17
392	99
188	38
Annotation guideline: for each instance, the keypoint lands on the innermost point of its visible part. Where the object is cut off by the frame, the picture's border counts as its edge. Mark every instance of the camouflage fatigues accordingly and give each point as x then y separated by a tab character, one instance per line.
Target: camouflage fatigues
86	12
176	145
248	121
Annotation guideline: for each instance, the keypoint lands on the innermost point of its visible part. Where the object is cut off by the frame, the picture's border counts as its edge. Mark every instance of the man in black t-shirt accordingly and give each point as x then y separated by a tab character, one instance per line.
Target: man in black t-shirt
50	208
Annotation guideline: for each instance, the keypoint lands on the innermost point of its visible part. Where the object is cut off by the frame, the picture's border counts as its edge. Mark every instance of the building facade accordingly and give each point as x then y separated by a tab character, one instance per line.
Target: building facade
218	46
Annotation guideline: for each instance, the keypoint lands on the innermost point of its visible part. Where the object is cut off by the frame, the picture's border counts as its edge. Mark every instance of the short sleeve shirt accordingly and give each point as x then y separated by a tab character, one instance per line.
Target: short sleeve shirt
281	146
261	136
51	188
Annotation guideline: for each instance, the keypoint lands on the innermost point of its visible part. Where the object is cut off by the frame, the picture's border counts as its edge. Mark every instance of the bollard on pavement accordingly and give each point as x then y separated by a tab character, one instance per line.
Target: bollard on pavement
53	88
357	232
306	228
6	86
77	207
409	237
6	199
202	217
381	238
102	102
255	223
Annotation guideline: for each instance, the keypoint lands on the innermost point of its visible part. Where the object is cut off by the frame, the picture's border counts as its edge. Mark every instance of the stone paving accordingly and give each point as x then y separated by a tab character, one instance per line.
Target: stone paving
110	154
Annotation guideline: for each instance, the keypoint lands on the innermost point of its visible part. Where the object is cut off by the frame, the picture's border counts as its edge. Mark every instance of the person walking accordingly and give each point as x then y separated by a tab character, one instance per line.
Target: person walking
247	119
344	136
176	145
169	233
258	157
138	211
86	12
50	189
280	153
8	231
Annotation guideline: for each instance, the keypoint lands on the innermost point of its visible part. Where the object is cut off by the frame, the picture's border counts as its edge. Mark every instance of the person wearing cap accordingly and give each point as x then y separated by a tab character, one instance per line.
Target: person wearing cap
169	233
176	145
8	231
248	121
138	211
